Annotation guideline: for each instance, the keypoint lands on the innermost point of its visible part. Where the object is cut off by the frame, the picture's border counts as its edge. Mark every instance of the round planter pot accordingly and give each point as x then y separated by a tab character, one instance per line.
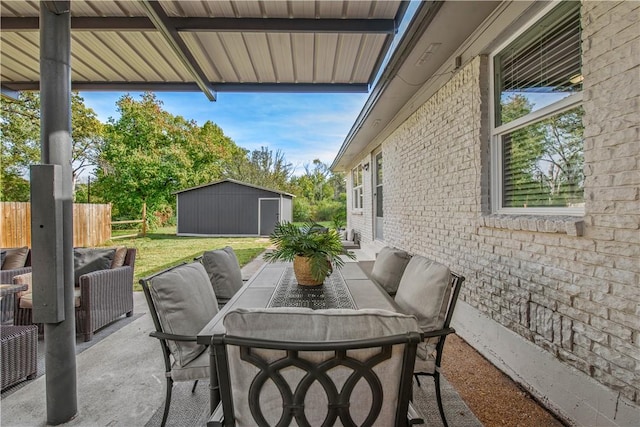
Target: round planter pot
302	270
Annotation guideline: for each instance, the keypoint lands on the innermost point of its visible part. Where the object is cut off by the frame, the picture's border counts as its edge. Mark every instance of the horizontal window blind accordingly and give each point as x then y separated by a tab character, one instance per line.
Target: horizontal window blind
542	163
547	58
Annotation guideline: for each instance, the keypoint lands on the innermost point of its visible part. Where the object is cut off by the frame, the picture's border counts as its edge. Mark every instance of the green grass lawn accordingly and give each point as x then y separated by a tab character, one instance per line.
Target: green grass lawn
162	248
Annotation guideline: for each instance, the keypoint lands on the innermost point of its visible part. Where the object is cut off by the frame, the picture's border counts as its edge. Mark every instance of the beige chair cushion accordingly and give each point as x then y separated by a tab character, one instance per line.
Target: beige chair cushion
318	325
424	291
15	258
388	268
26	299
425	358
185	303
23	279
224	271
197	369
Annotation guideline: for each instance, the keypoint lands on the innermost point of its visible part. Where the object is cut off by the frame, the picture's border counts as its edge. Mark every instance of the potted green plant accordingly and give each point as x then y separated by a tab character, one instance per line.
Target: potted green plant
314	250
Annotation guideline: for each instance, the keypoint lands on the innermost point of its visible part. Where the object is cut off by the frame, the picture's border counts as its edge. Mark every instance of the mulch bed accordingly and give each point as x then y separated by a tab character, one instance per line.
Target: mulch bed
490	394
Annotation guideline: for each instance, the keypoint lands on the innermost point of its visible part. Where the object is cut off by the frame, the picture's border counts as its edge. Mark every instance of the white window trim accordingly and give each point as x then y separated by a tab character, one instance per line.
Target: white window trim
354	188
565	104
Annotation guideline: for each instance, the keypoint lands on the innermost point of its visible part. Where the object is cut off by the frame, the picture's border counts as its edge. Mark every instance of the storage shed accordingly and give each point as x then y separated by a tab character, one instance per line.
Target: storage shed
231	207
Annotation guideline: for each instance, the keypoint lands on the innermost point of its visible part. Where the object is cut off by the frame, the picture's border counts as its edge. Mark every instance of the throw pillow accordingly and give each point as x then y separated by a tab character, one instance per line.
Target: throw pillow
224	271
15	258
87	260
424	291
388	268
119	257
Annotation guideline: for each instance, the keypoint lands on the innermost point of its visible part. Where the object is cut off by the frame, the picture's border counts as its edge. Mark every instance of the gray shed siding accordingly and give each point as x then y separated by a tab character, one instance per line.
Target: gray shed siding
225	208
286	213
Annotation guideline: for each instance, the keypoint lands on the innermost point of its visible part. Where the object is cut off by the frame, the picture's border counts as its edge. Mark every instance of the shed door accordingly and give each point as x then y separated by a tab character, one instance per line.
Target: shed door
269	215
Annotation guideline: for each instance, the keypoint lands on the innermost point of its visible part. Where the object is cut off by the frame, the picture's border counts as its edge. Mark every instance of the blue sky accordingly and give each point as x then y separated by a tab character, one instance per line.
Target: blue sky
303	126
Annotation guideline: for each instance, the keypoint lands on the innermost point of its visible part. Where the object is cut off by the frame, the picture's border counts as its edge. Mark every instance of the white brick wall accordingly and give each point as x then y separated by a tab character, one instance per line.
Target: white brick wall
572	287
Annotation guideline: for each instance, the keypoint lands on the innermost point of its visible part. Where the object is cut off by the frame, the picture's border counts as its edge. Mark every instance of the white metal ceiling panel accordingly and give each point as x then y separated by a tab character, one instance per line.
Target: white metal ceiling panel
303	9
276	9
358	9
260	54
330	9
303	47
347	54
370	47
216	9
20	60
118	56
20	57
280	47
238	55
20	8
211	56
326	45
385	9
129	55
246	9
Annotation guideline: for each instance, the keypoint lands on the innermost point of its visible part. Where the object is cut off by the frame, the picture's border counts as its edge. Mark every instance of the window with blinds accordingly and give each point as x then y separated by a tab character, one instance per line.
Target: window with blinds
543	65
538	133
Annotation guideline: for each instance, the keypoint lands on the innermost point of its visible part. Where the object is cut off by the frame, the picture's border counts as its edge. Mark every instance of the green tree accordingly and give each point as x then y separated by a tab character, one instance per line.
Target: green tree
261	167
210	151
20	134
320	194
149	154
142	160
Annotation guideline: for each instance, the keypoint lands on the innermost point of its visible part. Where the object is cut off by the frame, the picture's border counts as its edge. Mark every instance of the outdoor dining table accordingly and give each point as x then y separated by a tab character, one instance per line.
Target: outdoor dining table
274	285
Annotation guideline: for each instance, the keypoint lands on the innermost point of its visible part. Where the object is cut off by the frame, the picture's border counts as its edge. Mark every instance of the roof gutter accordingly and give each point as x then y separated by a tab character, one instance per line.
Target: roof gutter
421	20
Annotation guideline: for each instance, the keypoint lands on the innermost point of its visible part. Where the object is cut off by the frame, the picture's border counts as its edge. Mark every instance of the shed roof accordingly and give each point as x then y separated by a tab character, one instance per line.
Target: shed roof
208	45
246	184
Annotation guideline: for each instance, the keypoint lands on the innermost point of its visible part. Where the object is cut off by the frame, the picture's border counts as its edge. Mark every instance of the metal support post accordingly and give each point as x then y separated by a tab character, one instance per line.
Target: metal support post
55	113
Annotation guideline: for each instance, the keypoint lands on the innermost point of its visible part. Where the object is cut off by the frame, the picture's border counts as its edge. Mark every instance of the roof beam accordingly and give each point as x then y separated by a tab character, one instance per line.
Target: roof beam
168	31
193	87
264	25
9	93
285	25
293	87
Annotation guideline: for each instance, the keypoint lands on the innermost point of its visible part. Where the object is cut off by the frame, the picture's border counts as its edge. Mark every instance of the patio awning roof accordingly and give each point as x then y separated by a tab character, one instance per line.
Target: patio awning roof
206	45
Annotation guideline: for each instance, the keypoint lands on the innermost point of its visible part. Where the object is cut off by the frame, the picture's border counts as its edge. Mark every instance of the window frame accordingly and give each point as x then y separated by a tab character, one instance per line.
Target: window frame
565	104
357	190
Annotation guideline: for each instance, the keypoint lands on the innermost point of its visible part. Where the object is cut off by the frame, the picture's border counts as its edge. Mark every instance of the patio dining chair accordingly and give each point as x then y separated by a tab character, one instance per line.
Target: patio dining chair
181	302
337	366
429	290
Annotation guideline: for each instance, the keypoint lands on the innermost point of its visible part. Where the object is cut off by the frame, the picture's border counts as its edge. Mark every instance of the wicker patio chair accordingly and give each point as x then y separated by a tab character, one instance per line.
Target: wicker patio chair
18	354
346	367
19	262
181	302
102	297
429	290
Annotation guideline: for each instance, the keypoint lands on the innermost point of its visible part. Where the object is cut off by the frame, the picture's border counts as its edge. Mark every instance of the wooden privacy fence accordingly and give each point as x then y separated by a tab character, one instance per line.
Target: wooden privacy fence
91	224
